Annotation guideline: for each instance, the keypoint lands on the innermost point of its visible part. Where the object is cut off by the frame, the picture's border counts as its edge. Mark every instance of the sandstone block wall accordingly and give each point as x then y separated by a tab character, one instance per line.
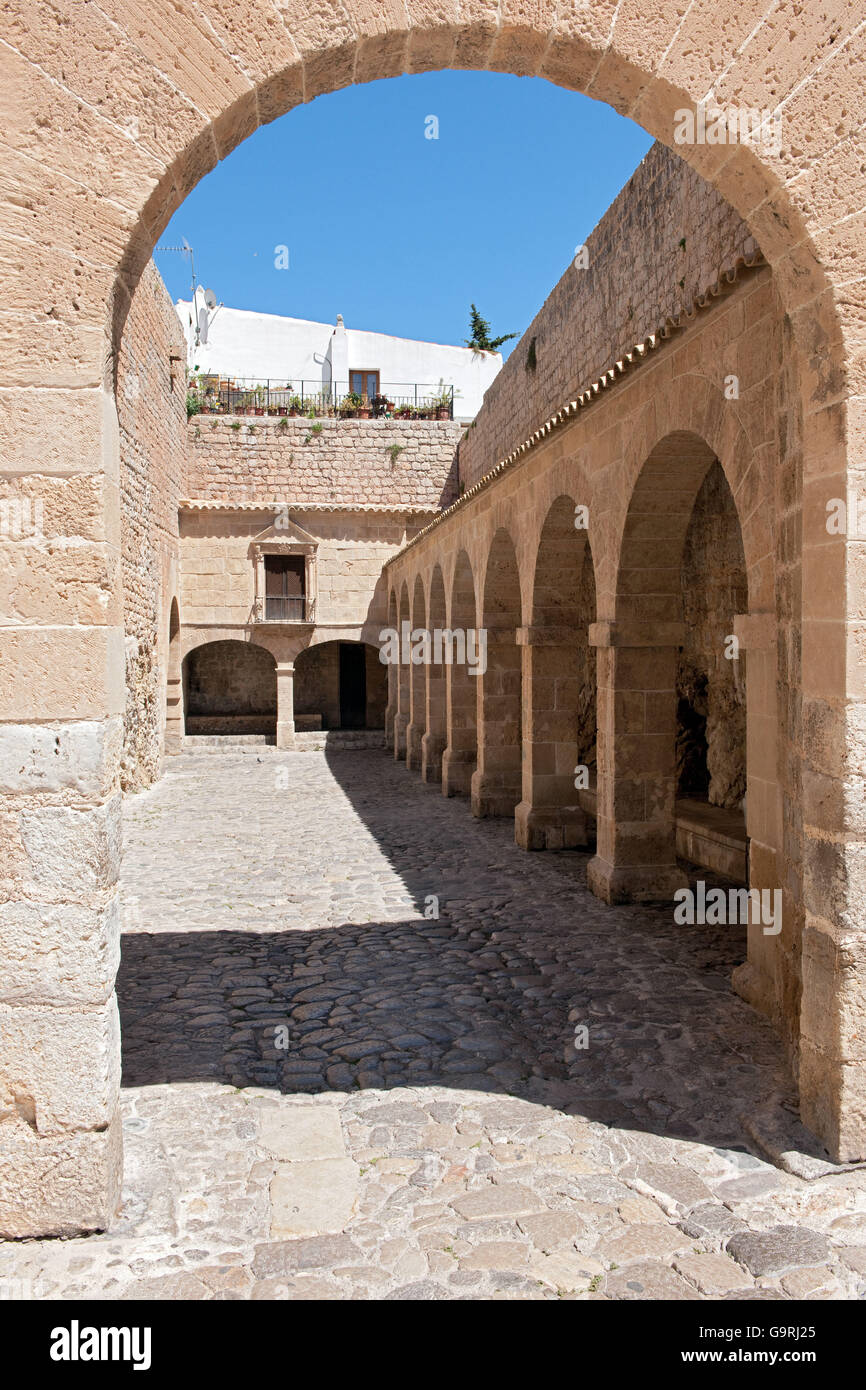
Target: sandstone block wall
151	405
664	240
218	572
390	462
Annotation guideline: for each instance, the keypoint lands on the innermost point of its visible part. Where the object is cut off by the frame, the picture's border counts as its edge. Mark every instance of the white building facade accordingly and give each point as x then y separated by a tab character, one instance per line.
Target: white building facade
310	358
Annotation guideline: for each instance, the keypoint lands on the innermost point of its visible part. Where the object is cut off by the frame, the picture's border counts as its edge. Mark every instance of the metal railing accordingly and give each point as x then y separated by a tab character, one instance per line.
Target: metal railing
280	608
221	395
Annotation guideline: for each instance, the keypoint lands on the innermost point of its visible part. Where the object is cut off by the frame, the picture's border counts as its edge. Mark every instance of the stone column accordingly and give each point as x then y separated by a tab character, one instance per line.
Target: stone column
401	718
174	715
635	860
762	977
391	707
496	782
416	727
434	740
459	757
62	699
549	815
285	704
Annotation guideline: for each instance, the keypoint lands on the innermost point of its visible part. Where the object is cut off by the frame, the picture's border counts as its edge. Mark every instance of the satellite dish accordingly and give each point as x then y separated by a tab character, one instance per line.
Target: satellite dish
210	299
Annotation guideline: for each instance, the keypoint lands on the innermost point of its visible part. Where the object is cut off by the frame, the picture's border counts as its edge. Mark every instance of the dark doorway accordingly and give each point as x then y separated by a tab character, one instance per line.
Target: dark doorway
353	685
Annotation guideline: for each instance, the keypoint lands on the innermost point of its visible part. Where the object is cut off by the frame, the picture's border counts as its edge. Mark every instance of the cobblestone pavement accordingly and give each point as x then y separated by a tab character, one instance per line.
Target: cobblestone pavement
330	1092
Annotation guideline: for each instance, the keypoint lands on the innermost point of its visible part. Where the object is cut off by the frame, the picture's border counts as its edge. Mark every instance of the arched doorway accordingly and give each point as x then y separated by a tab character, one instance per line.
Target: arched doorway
340	685
230	687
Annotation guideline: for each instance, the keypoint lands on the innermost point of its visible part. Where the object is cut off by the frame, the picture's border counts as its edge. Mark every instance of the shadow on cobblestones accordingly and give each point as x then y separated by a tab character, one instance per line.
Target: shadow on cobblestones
282	941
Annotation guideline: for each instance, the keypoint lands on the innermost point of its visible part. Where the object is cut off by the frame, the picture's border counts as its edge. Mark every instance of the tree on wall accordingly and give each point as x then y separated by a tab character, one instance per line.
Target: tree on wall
481	340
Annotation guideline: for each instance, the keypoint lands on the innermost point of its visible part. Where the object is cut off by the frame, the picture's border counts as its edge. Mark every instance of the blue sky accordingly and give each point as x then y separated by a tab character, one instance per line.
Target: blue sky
398	232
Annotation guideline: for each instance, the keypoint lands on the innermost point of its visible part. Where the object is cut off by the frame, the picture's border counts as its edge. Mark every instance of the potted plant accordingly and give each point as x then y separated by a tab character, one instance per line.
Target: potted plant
441	402
350	404
259	400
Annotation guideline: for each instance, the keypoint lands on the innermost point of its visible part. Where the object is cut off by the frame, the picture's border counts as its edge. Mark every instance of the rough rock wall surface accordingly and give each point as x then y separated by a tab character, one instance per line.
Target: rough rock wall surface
151	403
392	462
664	240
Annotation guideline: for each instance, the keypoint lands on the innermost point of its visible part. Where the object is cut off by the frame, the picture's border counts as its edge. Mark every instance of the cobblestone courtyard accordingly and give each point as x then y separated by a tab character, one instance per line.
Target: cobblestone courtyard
330	1092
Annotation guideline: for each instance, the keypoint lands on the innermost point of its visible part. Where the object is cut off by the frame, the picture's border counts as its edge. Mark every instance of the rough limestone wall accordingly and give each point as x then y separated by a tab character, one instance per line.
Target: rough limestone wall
711	687
347	461
663	241
151	401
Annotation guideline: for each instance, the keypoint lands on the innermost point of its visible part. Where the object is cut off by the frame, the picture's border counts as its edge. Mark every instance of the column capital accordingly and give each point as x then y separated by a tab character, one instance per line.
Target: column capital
635	632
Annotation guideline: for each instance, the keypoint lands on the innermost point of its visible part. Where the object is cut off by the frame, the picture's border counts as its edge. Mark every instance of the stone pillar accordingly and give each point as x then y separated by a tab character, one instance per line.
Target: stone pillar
174	715
285	704
635	860
761	978
436	721
416	727
496	782
549	815
61	713
460	755
401	718
391	707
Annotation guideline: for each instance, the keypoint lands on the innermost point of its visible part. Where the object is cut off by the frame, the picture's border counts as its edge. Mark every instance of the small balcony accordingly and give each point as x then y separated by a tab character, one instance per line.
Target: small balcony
405	400
282	608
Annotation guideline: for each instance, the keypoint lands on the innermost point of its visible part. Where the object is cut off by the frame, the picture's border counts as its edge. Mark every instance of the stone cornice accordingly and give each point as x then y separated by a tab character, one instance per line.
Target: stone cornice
630	361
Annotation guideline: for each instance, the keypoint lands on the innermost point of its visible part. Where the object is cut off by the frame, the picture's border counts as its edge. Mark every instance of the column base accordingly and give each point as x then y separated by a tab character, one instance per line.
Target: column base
550	827
414	735
285	733
634	883
432	748
401	724
489	799
457	770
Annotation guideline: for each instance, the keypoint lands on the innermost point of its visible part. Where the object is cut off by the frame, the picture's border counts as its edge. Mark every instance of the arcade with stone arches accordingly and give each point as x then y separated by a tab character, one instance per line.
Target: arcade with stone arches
642	453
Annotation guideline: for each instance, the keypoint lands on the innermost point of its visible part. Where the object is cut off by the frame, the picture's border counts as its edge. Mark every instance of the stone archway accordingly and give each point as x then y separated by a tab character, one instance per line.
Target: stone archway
559	679
97	171
230	688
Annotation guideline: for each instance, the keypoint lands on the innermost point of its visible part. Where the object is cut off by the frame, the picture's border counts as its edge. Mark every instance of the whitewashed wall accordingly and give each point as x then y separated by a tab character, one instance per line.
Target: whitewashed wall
242	343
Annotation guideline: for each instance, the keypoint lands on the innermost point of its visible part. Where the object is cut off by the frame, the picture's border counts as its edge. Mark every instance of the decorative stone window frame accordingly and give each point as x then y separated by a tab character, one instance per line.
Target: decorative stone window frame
308	550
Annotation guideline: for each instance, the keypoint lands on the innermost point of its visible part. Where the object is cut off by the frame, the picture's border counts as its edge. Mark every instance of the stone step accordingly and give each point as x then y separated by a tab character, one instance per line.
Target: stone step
217	742
305	742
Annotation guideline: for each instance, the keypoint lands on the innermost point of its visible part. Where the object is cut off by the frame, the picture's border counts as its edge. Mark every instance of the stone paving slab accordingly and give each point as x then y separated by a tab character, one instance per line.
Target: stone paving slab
306	1041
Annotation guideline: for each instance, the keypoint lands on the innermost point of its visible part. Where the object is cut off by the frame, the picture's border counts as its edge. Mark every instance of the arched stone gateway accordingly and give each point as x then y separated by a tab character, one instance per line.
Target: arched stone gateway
97	170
